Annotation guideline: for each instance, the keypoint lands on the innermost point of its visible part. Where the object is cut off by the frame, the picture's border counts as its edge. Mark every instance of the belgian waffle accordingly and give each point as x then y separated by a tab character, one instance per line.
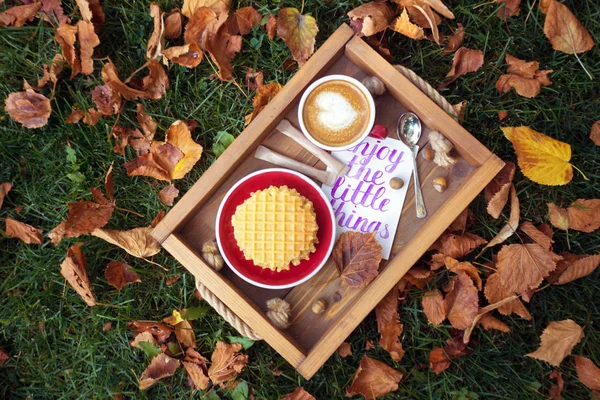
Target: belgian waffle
275	227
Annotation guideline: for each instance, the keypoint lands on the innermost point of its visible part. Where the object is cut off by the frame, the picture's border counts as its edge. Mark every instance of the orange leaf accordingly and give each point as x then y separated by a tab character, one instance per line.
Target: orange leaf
106	100
154	85
218	6
28	108
51	71
496	192
438	361
595	133
524	77
508	8
243	20
388	324
19	15
138	241
370	18
254	79
558	340
3	356
264	94
490	323
555	391
462	302
542	159
133	137
227	362
143	337
173	24
587	372
564	30
513	221
434	307
466	267
20	230
299	394
91	11
180	136
373	379
455	40
298	32
582	215
271	26
157	38
536	235
575	267
146	122
74	270
356	257
465	60
159	331
188	55
168	194
495	292
119	274
457	246
403	25
195	365
160	367
524	266
4	189
88	40
185	333
387	309
345	350
66	36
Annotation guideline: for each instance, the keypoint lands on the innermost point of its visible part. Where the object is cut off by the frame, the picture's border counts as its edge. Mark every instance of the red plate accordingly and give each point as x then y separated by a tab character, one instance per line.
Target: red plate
246	269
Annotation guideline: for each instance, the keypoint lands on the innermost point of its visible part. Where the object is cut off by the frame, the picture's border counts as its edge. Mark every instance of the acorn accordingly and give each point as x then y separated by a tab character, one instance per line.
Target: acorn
428	153
396	183
440	184
319	306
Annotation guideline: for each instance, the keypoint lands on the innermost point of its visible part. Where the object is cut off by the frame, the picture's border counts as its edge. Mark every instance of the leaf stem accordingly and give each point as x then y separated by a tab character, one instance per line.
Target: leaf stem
581	172
154	263
134	73
129	211
586	71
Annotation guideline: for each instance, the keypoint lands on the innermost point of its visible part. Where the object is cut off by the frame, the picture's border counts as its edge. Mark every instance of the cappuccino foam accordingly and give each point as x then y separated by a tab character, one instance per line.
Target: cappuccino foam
335	111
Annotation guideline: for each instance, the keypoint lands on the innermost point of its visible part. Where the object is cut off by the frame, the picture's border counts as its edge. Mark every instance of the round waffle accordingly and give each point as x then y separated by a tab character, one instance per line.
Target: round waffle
275	227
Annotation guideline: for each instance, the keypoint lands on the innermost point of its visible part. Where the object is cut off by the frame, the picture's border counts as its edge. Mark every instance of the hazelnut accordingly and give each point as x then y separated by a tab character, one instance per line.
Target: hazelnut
428	153
440	184
212	256
319	306
396	183
279	312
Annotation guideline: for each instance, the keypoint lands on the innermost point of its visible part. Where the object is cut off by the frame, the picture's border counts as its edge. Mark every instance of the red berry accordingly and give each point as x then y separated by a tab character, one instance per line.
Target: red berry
379	131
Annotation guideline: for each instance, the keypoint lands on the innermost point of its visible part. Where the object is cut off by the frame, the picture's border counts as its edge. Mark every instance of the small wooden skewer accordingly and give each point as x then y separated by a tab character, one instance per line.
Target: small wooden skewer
265	154
337	167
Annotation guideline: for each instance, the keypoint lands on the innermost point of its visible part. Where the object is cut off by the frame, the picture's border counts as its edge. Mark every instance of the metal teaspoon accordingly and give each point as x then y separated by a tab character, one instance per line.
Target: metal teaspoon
408	131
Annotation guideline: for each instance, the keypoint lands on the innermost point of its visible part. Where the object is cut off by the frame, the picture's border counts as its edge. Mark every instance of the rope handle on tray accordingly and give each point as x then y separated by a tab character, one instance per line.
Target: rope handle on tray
220	307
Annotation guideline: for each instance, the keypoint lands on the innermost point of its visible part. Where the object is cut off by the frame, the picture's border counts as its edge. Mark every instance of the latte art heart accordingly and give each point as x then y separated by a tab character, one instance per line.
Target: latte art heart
335	111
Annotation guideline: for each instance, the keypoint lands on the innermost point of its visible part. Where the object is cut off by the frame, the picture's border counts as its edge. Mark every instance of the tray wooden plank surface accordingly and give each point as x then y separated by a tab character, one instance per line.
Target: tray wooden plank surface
312	338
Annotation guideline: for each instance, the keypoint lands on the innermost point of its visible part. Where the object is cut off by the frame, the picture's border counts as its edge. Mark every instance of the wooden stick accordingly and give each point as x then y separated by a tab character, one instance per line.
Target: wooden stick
338	167
263	153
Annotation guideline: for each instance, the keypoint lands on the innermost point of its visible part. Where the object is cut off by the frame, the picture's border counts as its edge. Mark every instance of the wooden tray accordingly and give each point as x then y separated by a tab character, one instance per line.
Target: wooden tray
311	339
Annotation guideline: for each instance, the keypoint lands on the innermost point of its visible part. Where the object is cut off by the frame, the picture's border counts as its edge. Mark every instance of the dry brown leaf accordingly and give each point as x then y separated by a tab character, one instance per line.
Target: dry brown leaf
27	233
502	115
243	20
28	108
465	60
227	362
106	100
146	122
53	12
4	189
373	379
66	35
51	71
434	307
202	26
575	266
419	277
508	8
271	26
91	11
513	221
466	267
387	309
587	372
173	24
559	217
195	365
525	77
564	30
357	257
595	133
380	44
490	323
180	136
555	391
524	266
74	270
557	341
218	6
460	223
536	235
439	358
159	331
19	15
138	241
298	32
158	164
185	333
3	356
156	43
582	215
299	394
160	367
119	274
423	15
156	83
91	117
88	40
75	116
403	25
455	40
345	350
111	78
254	79
496	292
462	302
264	94
370	18
457	246
188	55
133	137
168	194
143	337
388	324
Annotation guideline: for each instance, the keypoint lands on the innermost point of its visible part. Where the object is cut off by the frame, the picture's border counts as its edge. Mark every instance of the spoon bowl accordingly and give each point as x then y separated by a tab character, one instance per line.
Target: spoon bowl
408	131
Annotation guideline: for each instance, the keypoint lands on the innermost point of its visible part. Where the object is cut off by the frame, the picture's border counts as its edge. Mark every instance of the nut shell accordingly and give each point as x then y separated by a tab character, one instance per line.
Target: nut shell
440	184
396	183
210	254
319	306
374	85
428	153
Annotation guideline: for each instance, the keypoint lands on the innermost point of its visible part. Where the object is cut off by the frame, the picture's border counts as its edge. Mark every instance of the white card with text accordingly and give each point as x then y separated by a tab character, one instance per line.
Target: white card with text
363	200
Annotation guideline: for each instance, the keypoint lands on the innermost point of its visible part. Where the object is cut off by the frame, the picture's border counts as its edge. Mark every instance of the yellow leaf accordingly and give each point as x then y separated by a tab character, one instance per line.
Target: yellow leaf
298	32
542	159
179	136
407	28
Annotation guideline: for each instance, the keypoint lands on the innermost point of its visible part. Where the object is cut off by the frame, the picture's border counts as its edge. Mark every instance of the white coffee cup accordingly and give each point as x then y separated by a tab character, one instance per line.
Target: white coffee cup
358	85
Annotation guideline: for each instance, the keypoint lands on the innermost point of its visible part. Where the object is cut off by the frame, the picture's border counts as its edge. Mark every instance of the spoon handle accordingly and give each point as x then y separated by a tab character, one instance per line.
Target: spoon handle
420	204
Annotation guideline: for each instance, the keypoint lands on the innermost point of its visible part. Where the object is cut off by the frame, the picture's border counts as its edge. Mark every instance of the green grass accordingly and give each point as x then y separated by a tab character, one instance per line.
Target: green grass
57	344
